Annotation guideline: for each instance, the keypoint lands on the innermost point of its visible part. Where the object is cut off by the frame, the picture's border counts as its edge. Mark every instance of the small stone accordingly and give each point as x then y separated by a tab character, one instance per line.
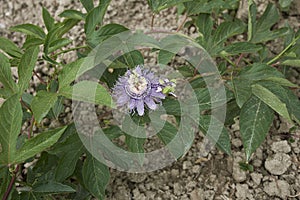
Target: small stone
278	164
278	188
174	172
281	147
196	169
209	194
236	142
256	177
186	165
178	189
238	174
241	191
195	195
137	177
2	26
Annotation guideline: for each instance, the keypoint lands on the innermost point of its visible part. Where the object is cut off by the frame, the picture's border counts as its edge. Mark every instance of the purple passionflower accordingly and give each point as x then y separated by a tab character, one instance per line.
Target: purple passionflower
136	88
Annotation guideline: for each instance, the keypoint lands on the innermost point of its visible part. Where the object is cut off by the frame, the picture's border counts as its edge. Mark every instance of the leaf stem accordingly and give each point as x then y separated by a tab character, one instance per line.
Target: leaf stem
284	50
68	50
229	61
239	59
40	78
11	183
152	21
31	126
182	23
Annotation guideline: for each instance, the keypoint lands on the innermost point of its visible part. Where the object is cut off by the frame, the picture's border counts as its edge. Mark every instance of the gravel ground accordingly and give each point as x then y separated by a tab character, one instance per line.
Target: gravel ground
197	176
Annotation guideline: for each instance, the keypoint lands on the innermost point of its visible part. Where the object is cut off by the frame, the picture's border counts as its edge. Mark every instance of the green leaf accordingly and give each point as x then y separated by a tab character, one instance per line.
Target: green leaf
72	149
211	127
209	99
95	17
32	42
134	127
38	144
10	48
164	57
10	127
65	26
48	19
252	10
256	118
128	60
281	81
292	62
113	132
135	144
57	108
5	178
53	188
262	32
29	29
104	33
72	14
88	91
271	100
87	4
223	32
158	5
167	133
250	75
95	176
204	24
42	103
241	47
285	4
69	73
205	6
286	96
172	106
26	67
59	43
5	74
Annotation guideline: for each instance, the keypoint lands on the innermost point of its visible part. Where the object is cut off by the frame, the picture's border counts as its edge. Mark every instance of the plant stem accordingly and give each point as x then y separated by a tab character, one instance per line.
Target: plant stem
152	21
11	183
228	60
284	50
40	78
68	50
182	23
239	59
31	126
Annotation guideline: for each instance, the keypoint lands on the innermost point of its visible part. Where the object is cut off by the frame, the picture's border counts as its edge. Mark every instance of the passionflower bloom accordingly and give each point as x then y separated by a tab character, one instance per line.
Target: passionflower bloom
138	88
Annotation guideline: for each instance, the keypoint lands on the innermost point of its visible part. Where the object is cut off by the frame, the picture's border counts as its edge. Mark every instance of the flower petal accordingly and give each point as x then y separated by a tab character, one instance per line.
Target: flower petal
157	94
150	103
132	104
123	99
140	107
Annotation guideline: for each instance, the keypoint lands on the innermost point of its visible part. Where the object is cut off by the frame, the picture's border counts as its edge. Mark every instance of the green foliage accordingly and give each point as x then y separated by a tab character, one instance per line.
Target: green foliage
61	163
11	119
30	29
26	66
37	144
42	103
255	120
95	176
84	90
261	29
158	5
6	76
10	48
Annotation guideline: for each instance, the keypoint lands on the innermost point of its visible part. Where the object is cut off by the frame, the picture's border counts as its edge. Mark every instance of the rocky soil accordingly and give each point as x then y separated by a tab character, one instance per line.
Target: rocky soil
198	175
